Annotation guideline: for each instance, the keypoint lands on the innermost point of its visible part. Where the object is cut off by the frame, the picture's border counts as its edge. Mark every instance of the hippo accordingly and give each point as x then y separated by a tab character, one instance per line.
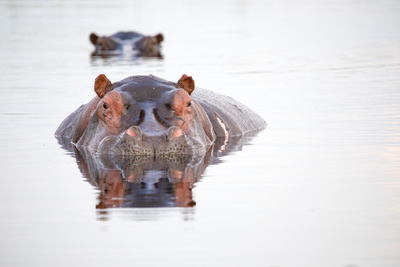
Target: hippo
127	42
155	118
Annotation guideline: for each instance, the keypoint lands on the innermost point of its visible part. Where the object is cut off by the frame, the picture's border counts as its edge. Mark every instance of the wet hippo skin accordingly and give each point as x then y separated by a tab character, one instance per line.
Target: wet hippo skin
149	116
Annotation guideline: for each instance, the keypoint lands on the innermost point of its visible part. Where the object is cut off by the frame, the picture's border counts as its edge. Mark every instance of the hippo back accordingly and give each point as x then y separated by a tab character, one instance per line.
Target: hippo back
228	116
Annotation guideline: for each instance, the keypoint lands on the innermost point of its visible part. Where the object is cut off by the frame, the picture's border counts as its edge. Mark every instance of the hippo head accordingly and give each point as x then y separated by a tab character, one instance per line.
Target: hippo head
147	46
144	115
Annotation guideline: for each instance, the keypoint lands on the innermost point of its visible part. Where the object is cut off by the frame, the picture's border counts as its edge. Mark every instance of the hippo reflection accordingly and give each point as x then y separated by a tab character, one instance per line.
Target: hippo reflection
143	181
153	138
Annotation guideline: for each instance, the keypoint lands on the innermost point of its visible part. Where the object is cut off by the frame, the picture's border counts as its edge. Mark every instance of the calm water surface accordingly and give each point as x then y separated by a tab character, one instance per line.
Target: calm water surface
319	187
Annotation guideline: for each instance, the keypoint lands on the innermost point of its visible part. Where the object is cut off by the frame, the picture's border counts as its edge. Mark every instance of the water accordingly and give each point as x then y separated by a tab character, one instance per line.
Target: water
319	187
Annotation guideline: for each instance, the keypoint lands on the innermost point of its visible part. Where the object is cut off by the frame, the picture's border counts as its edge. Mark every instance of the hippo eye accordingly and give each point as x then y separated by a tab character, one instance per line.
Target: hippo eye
127	106
189	104
105	105
168	106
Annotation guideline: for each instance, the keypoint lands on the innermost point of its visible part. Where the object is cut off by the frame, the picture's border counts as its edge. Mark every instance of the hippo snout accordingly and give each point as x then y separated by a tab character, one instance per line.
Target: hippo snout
136	142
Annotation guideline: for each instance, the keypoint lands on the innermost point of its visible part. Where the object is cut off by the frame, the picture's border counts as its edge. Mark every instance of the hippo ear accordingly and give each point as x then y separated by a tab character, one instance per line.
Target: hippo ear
102	85
159	37
93	38
187	83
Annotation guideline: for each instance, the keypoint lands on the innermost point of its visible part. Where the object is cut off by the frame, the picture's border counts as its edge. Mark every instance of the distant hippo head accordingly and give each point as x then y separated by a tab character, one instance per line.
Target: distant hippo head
143	115
127	42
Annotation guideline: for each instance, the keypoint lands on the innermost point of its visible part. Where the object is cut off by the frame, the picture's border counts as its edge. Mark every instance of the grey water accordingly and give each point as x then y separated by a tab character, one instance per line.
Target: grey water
320	186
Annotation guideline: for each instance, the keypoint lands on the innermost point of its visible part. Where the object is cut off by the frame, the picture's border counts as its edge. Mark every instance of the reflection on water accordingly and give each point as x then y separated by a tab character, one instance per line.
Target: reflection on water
144	181
122	59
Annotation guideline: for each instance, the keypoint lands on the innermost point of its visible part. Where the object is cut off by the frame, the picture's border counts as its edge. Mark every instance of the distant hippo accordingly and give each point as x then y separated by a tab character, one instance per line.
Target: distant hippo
127	42
149	116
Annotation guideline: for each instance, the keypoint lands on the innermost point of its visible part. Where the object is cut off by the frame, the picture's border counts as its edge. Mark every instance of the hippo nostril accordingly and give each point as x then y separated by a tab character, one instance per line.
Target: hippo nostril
141	117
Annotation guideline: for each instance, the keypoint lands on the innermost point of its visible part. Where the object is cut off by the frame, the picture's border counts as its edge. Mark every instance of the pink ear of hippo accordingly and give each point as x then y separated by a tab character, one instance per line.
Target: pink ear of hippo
187	83
102	85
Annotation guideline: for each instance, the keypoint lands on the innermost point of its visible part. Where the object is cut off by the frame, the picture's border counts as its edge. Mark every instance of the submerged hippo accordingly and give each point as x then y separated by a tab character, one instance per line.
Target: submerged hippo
149	116
129	42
